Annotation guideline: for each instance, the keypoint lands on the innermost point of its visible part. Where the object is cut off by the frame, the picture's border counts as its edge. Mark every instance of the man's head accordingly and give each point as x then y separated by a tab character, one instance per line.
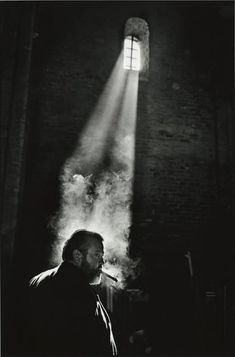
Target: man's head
85	250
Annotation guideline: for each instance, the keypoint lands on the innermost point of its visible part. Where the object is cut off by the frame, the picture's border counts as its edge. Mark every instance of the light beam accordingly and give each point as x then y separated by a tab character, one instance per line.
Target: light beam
101	203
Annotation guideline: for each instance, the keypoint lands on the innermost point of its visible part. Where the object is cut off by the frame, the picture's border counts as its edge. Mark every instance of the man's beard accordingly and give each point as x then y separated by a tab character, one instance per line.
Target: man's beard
93	275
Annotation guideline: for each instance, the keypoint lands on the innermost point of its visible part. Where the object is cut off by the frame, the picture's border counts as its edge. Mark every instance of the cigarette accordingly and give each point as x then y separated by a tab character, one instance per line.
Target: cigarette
109	276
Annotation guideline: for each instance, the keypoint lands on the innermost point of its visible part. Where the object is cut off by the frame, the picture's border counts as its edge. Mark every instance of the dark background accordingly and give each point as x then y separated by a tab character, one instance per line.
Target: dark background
56	59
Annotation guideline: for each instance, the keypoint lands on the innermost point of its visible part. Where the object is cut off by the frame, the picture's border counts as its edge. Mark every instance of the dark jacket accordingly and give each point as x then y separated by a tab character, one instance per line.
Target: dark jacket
66	316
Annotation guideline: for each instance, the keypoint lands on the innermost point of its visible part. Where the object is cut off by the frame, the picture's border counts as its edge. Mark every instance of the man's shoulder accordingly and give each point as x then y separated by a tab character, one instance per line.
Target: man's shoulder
42	278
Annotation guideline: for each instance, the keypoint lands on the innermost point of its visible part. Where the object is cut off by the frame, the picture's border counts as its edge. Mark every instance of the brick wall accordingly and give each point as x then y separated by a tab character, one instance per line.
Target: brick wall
184	173
183	142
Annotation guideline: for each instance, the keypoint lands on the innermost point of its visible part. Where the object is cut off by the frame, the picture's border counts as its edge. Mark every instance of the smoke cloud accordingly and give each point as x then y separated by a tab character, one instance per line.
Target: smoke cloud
102	206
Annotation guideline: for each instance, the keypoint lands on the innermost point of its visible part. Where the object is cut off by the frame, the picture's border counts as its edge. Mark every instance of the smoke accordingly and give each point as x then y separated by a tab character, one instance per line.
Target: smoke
102	205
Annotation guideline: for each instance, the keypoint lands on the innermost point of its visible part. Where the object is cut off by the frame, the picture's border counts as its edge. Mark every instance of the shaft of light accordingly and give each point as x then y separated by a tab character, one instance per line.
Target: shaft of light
109	133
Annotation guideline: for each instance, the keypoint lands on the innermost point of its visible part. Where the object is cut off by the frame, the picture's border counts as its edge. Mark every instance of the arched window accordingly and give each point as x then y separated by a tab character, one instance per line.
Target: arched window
136	46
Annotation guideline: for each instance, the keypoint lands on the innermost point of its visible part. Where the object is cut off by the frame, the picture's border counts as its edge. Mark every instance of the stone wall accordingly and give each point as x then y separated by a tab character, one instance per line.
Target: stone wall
184	171
183	141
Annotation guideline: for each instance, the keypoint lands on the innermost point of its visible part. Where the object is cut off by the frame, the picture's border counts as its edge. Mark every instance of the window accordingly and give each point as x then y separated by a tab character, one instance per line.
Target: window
136	46
131	53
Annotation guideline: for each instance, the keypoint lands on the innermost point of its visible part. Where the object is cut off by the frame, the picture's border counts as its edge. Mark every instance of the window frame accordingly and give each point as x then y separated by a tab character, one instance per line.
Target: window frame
132	53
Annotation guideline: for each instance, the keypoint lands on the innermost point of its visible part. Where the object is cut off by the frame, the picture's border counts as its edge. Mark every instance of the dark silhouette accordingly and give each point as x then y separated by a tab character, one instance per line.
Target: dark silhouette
66	316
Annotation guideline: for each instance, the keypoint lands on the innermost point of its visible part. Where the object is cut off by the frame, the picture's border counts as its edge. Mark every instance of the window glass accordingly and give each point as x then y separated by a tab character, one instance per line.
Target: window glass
131	53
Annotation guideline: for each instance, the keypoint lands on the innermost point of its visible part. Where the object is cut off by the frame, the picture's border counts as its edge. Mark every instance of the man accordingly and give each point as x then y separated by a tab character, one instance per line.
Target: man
67	317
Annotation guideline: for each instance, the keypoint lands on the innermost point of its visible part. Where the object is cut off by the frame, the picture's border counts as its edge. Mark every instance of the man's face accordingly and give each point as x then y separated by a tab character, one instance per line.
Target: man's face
93	261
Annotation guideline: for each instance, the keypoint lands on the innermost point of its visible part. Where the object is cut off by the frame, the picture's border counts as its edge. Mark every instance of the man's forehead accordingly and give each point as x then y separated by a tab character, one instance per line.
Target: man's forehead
96	245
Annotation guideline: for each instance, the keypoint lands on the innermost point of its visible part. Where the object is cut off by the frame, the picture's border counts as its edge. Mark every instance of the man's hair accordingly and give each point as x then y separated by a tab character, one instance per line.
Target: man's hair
80	239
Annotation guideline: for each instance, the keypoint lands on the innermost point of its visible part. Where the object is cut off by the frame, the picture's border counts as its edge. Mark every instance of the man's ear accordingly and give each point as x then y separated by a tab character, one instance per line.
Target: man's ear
77	257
